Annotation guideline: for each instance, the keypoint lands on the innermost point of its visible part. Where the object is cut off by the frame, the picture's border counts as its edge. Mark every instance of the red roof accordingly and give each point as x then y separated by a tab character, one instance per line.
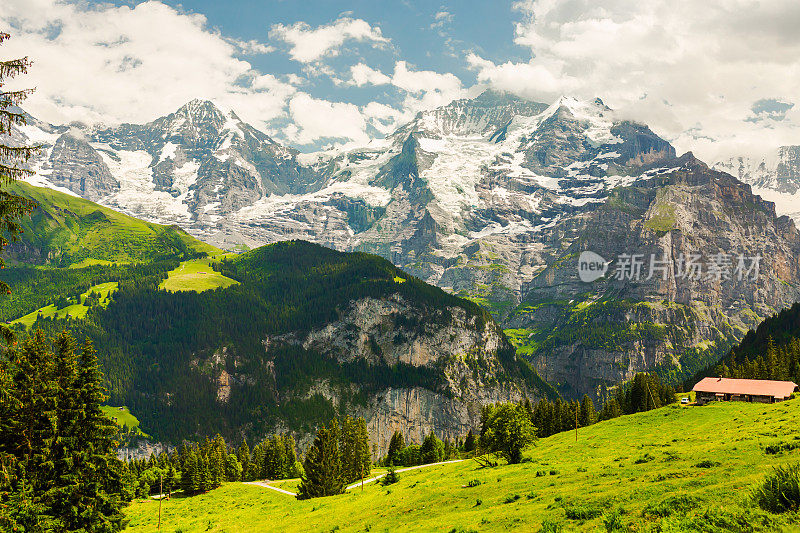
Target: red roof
751	387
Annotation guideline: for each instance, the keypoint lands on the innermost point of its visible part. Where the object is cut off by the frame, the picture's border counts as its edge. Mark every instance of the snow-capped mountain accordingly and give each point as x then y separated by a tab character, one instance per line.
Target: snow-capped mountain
190	168
775	177
491	198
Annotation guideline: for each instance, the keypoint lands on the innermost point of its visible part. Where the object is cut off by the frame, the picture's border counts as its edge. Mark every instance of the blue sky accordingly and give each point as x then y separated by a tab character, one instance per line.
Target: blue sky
486	27
719	77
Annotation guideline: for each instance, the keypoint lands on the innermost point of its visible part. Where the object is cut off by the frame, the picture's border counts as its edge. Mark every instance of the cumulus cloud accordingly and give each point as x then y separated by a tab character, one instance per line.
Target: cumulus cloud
314	119
113	64
362	74
309	44
385	119
426	89
692	70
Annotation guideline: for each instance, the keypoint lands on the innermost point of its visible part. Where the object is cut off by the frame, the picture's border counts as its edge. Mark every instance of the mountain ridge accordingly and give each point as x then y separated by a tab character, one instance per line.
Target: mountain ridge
480	197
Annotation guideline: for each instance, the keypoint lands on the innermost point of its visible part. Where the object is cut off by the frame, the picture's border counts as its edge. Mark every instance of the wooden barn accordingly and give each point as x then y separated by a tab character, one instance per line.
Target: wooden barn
743	390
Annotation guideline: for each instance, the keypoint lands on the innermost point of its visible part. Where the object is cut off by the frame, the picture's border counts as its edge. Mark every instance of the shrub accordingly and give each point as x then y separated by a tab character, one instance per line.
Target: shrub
390	478
582	513
512	498
671	505
706	464
473	483
613	520
551	526
726	519
780	491
774	449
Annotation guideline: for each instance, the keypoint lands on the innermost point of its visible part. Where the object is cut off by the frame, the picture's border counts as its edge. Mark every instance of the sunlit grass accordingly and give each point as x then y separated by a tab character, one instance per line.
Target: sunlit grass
625	465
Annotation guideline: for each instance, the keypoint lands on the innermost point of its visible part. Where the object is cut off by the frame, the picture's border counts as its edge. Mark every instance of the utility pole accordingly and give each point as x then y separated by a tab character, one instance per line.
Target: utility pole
647	383
160	497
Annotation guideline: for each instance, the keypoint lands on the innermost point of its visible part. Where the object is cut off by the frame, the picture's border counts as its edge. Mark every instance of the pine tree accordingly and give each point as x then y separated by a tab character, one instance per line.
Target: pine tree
27	427
12	161
189	473
347	450
469	442
432	449
244	458
396	446
69	413
216	459
322	474
257	463
97	494
611	409
587	415
291	457
362	448
56	440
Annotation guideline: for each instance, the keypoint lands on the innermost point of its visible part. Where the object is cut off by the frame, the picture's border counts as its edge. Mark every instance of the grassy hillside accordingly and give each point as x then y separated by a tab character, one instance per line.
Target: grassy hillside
679	468
195	275
66	230
122	416
78	309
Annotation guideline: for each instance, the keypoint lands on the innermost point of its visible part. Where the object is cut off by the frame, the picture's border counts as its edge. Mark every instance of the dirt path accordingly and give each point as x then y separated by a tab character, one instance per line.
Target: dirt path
266	485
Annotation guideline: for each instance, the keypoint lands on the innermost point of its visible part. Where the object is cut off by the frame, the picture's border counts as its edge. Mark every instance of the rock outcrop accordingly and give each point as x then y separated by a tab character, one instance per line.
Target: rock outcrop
462	361
696	260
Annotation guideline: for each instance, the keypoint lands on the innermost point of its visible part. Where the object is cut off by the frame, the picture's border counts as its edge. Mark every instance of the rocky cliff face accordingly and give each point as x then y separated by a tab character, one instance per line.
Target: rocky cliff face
75	165
694	261
467	363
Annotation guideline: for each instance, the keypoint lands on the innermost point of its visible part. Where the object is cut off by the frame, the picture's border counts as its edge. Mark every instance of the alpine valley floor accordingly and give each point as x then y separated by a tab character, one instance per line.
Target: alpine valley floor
678	468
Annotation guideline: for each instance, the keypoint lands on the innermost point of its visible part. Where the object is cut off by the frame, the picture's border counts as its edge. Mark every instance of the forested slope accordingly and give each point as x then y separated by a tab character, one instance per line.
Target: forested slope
771	351
306	332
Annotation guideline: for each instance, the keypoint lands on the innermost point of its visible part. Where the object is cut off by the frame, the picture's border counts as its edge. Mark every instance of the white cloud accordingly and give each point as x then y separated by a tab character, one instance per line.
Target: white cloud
252	47
426	89
111	64
312	44
689	69
362	74
316	119
385	119
115	64
441	19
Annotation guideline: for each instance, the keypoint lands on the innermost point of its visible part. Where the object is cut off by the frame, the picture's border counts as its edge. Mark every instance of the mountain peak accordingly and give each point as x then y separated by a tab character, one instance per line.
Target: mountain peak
493	97
199	109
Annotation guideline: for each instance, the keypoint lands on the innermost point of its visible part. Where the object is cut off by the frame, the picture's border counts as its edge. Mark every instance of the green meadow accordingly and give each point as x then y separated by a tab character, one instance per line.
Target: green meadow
195	275
122	417
80	232
71	311
678	468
